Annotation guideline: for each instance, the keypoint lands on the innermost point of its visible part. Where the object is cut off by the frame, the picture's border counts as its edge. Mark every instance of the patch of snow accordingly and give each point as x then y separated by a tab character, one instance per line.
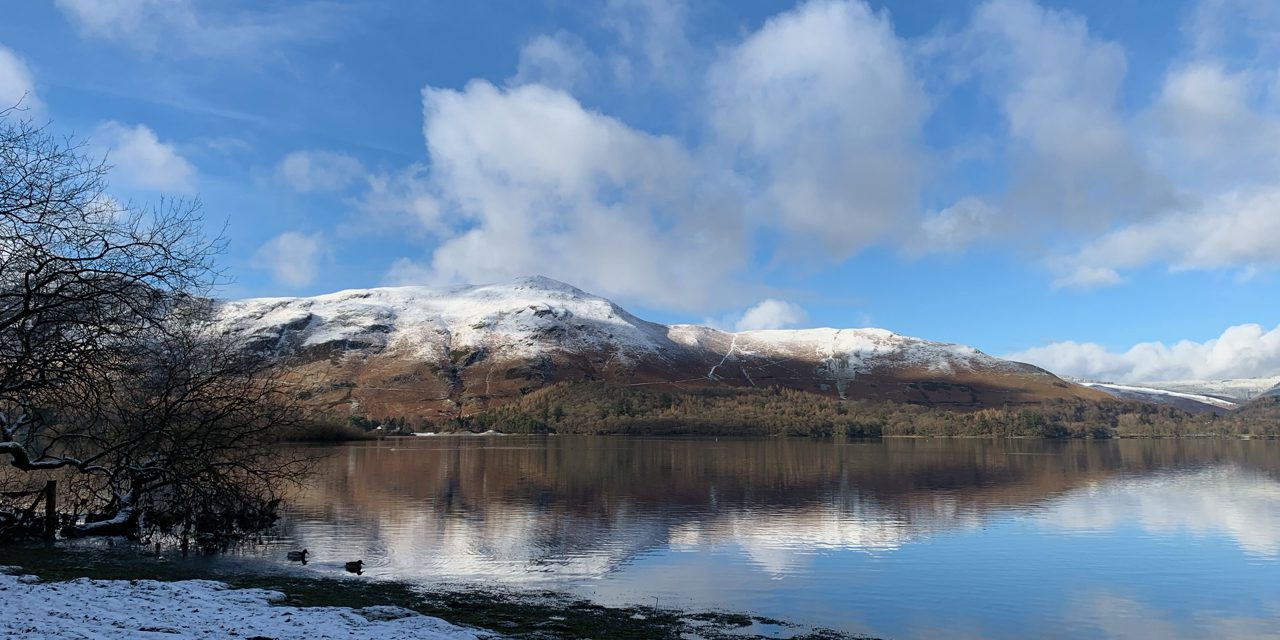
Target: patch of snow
197	609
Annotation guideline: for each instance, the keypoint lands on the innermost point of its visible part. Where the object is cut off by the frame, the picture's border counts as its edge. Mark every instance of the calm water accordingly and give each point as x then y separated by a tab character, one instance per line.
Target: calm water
895	538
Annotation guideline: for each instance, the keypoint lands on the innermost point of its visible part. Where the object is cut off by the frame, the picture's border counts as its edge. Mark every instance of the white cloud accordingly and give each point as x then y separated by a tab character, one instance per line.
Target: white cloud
400	200
187	27
139	159
559	61
307	171
811	134
534	183
825	113
1242	351
1235	230
1214	128
293	258
954	228
17	86
1212	133
1072	159
652	44
772	314
1083	276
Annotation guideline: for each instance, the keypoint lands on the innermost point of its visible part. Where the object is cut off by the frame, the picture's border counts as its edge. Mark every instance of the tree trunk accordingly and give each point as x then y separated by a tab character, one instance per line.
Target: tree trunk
51	509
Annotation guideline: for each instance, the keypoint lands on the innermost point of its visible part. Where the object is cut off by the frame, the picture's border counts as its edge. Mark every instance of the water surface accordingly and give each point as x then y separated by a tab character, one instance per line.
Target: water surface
892	538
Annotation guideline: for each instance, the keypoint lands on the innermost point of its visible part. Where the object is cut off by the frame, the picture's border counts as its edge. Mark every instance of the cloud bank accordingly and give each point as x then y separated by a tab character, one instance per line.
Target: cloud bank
1242	351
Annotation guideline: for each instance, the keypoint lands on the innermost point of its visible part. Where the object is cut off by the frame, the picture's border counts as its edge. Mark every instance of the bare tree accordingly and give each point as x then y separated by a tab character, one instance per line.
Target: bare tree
185	437
110	373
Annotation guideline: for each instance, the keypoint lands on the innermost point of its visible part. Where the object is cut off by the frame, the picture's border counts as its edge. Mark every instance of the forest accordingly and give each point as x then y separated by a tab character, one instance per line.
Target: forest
604	408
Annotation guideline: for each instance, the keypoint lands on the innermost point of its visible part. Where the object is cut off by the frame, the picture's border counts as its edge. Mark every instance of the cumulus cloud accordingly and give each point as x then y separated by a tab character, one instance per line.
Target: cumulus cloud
825	114
307	171
1073	161
1212	133
1242	351
292	258
771	314
139	159
1235	230
1208	124
184	26
17	86
535	183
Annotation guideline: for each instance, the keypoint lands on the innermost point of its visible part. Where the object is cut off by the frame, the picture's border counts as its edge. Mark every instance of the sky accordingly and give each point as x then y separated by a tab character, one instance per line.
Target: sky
1090	186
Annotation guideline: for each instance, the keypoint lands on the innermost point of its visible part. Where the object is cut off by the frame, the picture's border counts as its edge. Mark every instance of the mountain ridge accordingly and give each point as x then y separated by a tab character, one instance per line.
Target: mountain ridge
438	351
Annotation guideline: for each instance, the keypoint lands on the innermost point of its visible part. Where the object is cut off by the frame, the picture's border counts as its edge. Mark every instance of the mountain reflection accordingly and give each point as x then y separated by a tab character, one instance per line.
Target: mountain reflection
526	509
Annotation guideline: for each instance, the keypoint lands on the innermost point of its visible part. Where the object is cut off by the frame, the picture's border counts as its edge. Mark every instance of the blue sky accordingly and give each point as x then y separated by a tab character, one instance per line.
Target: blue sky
1089	185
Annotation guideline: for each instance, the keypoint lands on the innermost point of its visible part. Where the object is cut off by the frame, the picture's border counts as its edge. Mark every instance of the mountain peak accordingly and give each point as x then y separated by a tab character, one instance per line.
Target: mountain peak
548	284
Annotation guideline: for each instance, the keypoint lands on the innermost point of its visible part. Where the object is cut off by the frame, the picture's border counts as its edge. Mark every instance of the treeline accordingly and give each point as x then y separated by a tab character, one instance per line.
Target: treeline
603	408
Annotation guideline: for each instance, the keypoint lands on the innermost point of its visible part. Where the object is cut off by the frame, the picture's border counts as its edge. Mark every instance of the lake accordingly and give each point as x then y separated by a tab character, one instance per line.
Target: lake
893	538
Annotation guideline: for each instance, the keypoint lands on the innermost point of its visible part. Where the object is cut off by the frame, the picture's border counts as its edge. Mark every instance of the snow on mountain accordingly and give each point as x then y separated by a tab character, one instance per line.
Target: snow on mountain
1193	395
446	348
1188	401
523	318
840	354
530	317
1239	390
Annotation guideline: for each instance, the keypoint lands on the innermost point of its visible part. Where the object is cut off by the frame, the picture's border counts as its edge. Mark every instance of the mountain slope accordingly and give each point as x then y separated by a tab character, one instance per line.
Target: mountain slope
1193	402
433	352
1216	396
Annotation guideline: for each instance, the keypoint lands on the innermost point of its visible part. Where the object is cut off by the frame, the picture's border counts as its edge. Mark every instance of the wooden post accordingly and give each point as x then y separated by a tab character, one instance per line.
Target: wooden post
51	509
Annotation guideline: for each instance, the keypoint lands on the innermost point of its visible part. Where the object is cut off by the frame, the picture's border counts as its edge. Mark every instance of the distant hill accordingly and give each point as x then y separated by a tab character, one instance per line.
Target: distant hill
1212	396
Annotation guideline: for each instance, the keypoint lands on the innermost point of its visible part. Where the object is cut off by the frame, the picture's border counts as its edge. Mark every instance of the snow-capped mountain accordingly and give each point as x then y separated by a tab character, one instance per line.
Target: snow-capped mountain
1194	395
422	351
1194	402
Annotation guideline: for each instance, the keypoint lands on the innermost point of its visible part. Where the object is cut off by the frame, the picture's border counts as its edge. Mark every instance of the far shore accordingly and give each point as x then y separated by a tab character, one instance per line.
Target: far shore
373	437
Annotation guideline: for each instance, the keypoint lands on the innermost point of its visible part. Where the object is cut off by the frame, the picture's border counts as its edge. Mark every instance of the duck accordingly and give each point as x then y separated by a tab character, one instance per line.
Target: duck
355	566
297	556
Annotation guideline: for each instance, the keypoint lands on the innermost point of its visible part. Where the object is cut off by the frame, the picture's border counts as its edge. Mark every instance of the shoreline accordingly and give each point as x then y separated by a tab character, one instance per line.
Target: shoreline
127	609
279	606
683	435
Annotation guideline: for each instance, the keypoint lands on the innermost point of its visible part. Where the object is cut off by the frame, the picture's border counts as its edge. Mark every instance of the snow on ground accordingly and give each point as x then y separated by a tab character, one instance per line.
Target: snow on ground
150	610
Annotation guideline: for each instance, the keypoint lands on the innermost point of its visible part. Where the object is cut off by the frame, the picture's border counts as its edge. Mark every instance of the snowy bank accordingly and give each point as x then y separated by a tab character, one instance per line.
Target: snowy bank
146	609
